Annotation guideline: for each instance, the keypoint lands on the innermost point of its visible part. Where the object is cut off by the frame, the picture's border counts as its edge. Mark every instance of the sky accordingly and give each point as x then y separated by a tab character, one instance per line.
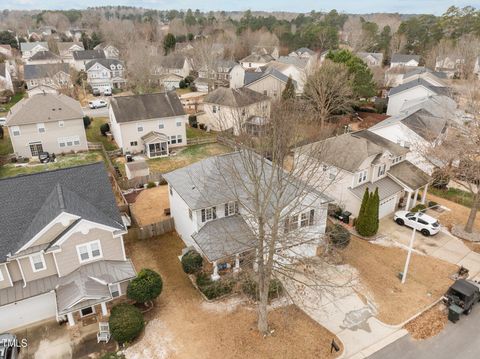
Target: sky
436	7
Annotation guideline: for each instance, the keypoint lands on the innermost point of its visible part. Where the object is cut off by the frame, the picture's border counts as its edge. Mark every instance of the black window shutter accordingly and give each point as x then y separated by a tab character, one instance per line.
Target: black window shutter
312	216
203	215
214	210
226	209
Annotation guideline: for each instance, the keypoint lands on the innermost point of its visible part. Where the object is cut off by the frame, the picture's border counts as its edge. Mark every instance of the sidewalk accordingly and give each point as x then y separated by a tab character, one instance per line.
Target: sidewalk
341	310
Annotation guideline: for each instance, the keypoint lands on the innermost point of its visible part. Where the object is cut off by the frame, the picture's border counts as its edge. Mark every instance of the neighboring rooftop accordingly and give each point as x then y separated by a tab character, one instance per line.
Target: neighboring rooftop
88	55
251	77
27	46
65	46
44	55
376	55
438	90
147	106
173	61
258	58
240	97
404	58
47	107
104	62
423	70
31	72
30	202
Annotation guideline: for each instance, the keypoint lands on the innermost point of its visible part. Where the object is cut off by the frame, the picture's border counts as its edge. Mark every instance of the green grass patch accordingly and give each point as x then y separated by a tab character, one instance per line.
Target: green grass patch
187	156
183	91
5	143
198	133
94	134
63	161
455	195
15	98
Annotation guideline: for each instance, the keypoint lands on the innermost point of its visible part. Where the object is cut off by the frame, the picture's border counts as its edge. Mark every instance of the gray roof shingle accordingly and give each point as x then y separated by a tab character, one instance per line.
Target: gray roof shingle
386	188
240	97
104	62
419	82
404	58
88	55
33	72
27	46
146	106
44	55
409	174
32	201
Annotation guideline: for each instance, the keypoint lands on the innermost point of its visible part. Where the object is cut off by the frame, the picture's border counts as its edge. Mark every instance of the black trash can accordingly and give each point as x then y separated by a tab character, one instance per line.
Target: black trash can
345	217
454	312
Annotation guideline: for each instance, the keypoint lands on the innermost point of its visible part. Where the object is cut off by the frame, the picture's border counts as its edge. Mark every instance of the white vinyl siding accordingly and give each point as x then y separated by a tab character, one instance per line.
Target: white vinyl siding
41	127
15	131
89	251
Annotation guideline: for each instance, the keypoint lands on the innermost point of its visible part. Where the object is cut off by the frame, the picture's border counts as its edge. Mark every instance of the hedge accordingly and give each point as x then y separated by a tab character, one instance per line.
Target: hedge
126	323
192	262
339	236
213	289
145	287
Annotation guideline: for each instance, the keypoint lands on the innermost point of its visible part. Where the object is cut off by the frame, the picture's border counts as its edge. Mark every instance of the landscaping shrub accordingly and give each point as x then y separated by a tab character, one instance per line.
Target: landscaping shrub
145	287
192	262
104	129
418	207
213	289
250	288
86	121
151	184
339	236
367	219
432	203
126	323
182	84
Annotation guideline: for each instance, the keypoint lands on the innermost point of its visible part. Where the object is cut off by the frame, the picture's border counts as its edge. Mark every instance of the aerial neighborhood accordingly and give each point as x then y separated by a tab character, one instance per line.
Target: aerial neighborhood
232	184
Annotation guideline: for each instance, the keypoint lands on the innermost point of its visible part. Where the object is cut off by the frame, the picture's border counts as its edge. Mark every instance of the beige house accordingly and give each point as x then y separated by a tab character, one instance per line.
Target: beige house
227	108
111	52
152	124
46	123
61	247
66	49
271	82
46	78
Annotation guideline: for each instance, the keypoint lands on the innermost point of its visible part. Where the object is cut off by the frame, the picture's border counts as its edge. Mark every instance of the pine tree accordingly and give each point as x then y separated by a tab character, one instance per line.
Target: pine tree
289	91
376	204
360	222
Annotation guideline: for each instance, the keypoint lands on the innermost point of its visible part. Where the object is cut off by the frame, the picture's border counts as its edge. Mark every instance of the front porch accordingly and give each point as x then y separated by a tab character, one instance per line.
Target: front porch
156	144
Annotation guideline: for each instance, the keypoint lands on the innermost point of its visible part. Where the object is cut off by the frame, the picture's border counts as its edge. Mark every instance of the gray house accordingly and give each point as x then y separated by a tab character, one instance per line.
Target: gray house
46	123
61	246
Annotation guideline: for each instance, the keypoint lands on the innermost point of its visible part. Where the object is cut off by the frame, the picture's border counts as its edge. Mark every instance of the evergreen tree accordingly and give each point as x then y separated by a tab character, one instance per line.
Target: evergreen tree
289	91
376	204
360	222
169	43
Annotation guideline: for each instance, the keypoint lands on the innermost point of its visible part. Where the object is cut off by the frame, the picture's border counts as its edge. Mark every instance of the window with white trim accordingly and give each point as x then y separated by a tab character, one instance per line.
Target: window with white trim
89	251
301	220
161	125
209	213
362	176
38	262
214	109
179	123
68	141
231	208
139	127
175	139
133	143
41	127
61	123
15	131
381	170
115	290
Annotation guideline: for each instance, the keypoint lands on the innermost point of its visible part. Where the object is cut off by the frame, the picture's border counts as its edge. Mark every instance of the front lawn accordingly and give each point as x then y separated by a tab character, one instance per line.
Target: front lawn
187	156
64	161
454	194
15	98
198	133
94	134
5	143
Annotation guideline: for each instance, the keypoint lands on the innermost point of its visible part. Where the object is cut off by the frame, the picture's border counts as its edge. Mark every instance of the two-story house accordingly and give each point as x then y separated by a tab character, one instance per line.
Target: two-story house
66	49
29	49
50	78
256	60
359	160
372	59
81	58
210	203
44	57
227	108
46	123
172	69
152	124
270	82
61	246
105	74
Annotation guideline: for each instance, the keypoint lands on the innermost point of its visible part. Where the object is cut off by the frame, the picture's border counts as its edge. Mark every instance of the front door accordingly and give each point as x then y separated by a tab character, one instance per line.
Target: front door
35	149
87	311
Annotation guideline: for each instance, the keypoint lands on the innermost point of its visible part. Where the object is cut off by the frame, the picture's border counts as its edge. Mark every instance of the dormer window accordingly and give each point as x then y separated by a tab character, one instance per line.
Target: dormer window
362	176
381	170
41	127
112	66
209	213
231	208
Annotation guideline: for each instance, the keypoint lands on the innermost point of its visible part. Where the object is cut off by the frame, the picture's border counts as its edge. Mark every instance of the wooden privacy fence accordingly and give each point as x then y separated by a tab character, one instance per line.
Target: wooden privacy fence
150	230
137	182
201	140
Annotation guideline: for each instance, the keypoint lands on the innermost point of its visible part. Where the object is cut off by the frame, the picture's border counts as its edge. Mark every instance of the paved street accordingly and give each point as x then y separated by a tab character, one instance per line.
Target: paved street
98	112
460	340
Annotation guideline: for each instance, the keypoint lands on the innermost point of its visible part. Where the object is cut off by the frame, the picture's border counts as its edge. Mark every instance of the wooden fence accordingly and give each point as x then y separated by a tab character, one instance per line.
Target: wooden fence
150	230
137	182
201	140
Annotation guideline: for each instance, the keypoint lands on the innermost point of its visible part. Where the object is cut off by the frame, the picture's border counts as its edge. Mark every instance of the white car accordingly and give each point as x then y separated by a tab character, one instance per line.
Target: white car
107	92
422	222
3	121
97	104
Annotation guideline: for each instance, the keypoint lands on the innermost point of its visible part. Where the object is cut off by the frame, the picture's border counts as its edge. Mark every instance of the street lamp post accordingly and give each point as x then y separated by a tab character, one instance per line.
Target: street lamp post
410	246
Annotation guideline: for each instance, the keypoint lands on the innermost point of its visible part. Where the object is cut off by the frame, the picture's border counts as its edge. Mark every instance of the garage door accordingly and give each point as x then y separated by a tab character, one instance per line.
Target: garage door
27	311
387	206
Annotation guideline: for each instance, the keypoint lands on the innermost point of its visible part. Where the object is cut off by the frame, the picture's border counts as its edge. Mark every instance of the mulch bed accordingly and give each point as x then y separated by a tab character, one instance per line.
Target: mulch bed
429	324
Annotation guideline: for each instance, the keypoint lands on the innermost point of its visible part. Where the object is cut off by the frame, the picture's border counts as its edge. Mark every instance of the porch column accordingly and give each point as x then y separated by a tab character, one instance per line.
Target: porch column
415	196
104	309
215	276
424	195
409	197
236	269
71	321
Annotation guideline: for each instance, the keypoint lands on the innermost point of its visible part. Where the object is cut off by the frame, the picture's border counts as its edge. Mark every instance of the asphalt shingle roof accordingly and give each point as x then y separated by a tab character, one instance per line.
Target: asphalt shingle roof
27	46
30	202
240	97
88	55
404	58
419	82
104	62
147	106
409	174
386	188
31	72
46	107
44	55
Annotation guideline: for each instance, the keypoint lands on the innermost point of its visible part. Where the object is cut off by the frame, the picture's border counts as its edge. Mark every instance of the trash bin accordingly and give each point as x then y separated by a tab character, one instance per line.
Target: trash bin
345	217
454	312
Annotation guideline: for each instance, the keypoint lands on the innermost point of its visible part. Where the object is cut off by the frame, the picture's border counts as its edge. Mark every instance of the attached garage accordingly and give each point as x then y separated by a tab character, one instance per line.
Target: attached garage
387	206
27	311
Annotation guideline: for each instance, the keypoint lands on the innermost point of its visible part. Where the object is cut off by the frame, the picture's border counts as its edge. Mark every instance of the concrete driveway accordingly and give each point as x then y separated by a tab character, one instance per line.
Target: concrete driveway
337	306
443	245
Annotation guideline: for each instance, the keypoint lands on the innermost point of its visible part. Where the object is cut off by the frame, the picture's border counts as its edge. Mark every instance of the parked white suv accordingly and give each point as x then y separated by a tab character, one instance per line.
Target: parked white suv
422	222
97	104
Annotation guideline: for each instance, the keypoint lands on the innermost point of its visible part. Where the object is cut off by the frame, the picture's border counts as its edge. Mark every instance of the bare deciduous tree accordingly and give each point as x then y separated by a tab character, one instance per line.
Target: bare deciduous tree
328	90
